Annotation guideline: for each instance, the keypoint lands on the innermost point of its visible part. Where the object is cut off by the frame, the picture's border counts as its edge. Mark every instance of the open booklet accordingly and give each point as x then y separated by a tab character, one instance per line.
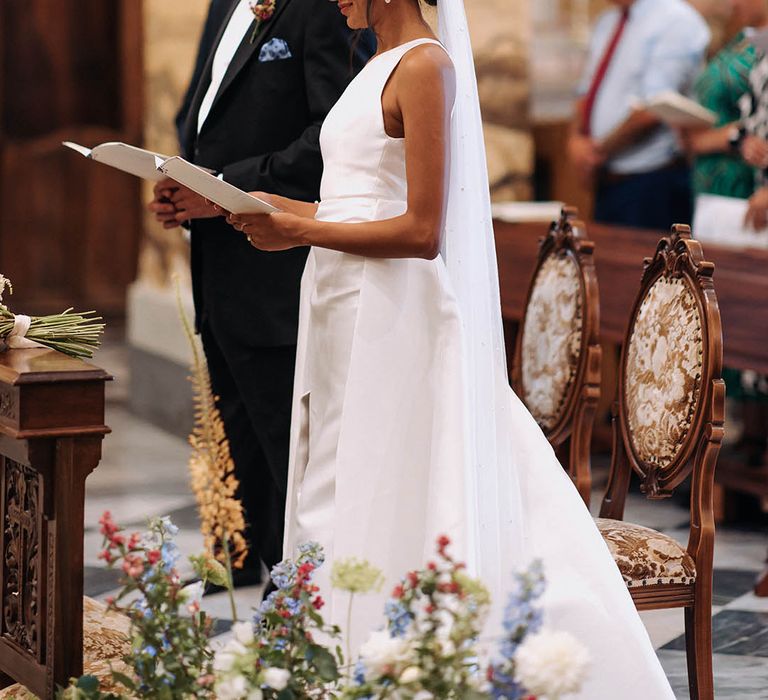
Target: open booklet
720	220
199	180
676	110
130	159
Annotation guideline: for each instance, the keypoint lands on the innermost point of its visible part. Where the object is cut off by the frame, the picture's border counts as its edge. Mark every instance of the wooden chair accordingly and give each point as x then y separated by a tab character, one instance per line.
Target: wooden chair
667	426
557	358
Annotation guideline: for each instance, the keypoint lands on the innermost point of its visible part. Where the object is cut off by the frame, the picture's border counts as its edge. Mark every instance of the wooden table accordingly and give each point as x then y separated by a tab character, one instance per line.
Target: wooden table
51	429
741	283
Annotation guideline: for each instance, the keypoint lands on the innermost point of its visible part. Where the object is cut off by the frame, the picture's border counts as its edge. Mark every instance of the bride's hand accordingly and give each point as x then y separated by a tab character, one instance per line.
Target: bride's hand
271	232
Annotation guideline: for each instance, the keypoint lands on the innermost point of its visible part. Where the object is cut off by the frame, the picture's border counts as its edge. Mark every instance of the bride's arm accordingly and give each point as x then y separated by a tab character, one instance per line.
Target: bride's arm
424	88
296	207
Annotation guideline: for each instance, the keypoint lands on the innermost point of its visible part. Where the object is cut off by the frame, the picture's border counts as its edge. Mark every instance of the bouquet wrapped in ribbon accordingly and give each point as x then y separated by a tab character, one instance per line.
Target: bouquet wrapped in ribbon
74	334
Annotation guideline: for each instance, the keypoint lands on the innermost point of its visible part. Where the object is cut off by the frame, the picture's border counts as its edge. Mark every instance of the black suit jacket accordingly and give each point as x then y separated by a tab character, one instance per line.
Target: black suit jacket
262	134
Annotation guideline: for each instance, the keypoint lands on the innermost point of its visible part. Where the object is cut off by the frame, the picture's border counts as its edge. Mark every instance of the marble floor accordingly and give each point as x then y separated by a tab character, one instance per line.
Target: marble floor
143	474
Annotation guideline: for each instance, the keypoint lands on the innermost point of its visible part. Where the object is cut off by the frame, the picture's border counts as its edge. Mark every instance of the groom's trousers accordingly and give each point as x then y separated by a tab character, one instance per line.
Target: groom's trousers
254	386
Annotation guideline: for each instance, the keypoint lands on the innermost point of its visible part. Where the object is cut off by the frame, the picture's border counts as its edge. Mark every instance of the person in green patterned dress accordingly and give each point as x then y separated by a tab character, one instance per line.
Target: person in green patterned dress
718	167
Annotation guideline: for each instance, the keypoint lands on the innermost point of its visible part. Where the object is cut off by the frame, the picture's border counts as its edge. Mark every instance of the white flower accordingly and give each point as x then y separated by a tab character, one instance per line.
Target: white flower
276	678
243	632
234	688
226	658
193	593
382	653
551	664
255	694
410	675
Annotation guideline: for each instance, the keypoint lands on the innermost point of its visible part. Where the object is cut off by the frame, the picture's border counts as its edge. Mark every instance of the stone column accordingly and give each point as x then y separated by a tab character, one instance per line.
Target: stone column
159	353
501	33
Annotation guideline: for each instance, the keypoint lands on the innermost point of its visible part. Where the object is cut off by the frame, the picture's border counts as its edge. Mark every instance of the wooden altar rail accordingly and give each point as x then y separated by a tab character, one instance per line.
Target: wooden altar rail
741	282
51	430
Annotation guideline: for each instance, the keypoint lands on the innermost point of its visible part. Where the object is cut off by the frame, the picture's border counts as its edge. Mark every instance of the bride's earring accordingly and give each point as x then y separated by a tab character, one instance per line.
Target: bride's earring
387	1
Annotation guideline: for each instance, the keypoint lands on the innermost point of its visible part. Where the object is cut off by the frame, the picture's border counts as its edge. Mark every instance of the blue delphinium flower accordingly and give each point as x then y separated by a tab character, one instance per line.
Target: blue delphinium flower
284	574
169	528
294	606
267	606
313	553
360	672
521	618
398	618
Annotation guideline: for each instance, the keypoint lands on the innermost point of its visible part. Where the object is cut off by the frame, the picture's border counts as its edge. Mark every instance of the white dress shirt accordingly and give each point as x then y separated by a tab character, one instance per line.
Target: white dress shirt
233	36
662	48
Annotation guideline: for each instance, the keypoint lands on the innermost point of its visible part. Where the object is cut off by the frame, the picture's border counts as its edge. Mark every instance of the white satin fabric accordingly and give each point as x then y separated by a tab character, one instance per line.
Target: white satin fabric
386	452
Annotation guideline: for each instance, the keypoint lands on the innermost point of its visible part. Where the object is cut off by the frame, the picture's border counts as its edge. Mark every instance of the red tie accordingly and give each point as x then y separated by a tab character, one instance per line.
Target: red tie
602	69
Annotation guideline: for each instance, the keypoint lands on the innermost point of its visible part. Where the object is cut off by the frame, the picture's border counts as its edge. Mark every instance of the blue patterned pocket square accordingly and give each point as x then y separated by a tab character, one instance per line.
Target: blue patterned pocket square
274	50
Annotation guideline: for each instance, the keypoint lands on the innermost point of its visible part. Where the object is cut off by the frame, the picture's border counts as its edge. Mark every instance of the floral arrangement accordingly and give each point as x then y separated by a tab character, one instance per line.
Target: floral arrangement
74	334
263	12
428	650
170	655
212	471
535	660
280	656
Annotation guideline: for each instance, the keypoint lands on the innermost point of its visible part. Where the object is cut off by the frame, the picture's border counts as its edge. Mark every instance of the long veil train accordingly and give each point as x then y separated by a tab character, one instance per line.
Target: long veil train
520	500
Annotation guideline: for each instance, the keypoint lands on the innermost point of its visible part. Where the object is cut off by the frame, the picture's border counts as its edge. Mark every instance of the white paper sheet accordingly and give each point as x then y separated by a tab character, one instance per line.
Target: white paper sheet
130	159
212	188
677	110
720	220
522	212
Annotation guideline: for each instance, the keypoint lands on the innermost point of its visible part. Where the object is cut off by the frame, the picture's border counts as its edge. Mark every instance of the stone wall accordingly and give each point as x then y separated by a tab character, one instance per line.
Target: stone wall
501	31
171	33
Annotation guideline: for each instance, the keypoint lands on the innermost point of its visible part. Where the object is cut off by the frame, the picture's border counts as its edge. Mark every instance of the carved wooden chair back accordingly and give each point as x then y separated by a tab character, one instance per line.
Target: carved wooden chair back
668	426
557	358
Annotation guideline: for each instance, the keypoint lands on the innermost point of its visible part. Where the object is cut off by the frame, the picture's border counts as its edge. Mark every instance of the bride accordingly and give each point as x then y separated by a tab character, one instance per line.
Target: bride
404	425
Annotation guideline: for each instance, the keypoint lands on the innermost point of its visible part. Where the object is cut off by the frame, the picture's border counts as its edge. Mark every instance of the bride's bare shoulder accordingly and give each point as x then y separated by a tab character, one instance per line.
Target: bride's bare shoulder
427	62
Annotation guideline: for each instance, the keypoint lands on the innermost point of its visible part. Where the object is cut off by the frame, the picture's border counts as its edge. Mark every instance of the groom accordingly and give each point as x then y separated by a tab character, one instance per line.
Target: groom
259	94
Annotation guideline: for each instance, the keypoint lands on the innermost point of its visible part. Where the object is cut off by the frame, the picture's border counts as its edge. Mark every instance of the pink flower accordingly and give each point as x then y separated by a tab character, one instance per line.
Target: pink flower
108	526
106	555
133	566
154	556
263	11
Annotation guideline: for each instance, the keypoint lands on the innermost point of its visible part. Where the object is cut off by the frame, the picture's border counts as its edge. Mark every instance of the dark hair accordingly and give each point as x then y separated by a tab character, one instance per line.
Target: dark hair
431	2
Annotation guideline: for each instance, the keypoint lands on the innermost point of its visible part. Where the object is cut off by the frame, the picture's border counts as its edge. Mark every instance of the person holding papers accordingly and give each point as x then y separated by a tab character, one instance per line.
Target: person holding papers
718	166
639	49
267	75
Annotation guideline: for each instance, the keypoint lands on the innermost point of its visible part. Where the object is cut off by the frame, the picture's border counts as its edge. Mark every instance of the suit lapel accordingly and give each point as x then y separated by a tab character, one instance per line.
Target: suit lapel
190	128
247	49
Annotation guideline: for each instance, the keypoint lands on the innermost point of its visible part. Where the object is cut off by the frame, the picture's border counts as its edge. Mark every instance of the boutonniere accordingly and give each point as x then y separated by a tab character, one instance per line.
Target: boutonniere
263	12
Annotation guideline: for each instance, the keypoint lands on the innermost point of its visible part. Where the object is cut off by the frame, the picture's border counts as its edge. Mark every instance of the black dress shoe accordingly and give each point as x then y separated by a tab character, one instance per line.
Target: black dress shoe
241	578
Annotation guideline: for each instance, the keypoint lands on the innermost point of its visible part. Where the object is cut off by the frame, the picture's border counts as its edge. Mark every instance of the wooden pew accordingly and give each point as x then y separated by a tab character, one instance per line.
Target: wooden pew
51	430
741	279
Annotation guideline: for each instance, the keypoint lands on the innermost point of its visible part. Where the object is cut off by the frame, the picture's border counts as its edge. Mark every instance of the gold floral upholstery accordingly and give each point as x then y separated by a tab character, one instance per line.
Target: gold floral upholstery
551	339
105	642
663	372
646	557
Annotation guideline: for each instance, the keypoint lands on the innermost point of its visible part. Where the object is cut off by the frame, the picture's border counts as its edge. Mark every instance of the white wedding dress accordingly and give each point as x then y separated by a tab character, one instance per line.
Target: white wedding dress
379	440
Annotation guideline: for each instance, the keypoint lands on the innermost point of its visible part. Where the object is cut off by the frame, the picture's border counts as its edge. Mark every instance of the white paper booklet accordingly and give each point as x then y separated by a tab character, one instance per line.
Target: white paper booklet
522	212
212	188
720	220
676	110
129	159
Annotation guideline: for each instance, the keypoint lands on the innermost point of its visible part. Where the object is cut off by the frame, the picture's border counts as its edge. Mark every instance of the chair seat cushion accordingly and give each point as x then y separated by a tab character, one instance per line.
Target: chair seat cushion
646	557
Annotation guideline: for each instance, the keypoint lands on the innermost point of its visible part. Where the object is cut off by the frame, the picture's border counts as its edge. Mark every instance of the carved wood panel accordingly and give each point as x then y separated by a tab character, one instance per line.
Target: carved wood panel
22	558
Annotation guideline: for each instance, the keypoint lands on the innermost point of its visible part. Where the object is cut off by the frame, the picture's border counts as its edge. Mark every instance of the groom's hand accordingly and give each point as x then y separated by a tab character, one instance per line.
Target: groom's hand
190	205
161	206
